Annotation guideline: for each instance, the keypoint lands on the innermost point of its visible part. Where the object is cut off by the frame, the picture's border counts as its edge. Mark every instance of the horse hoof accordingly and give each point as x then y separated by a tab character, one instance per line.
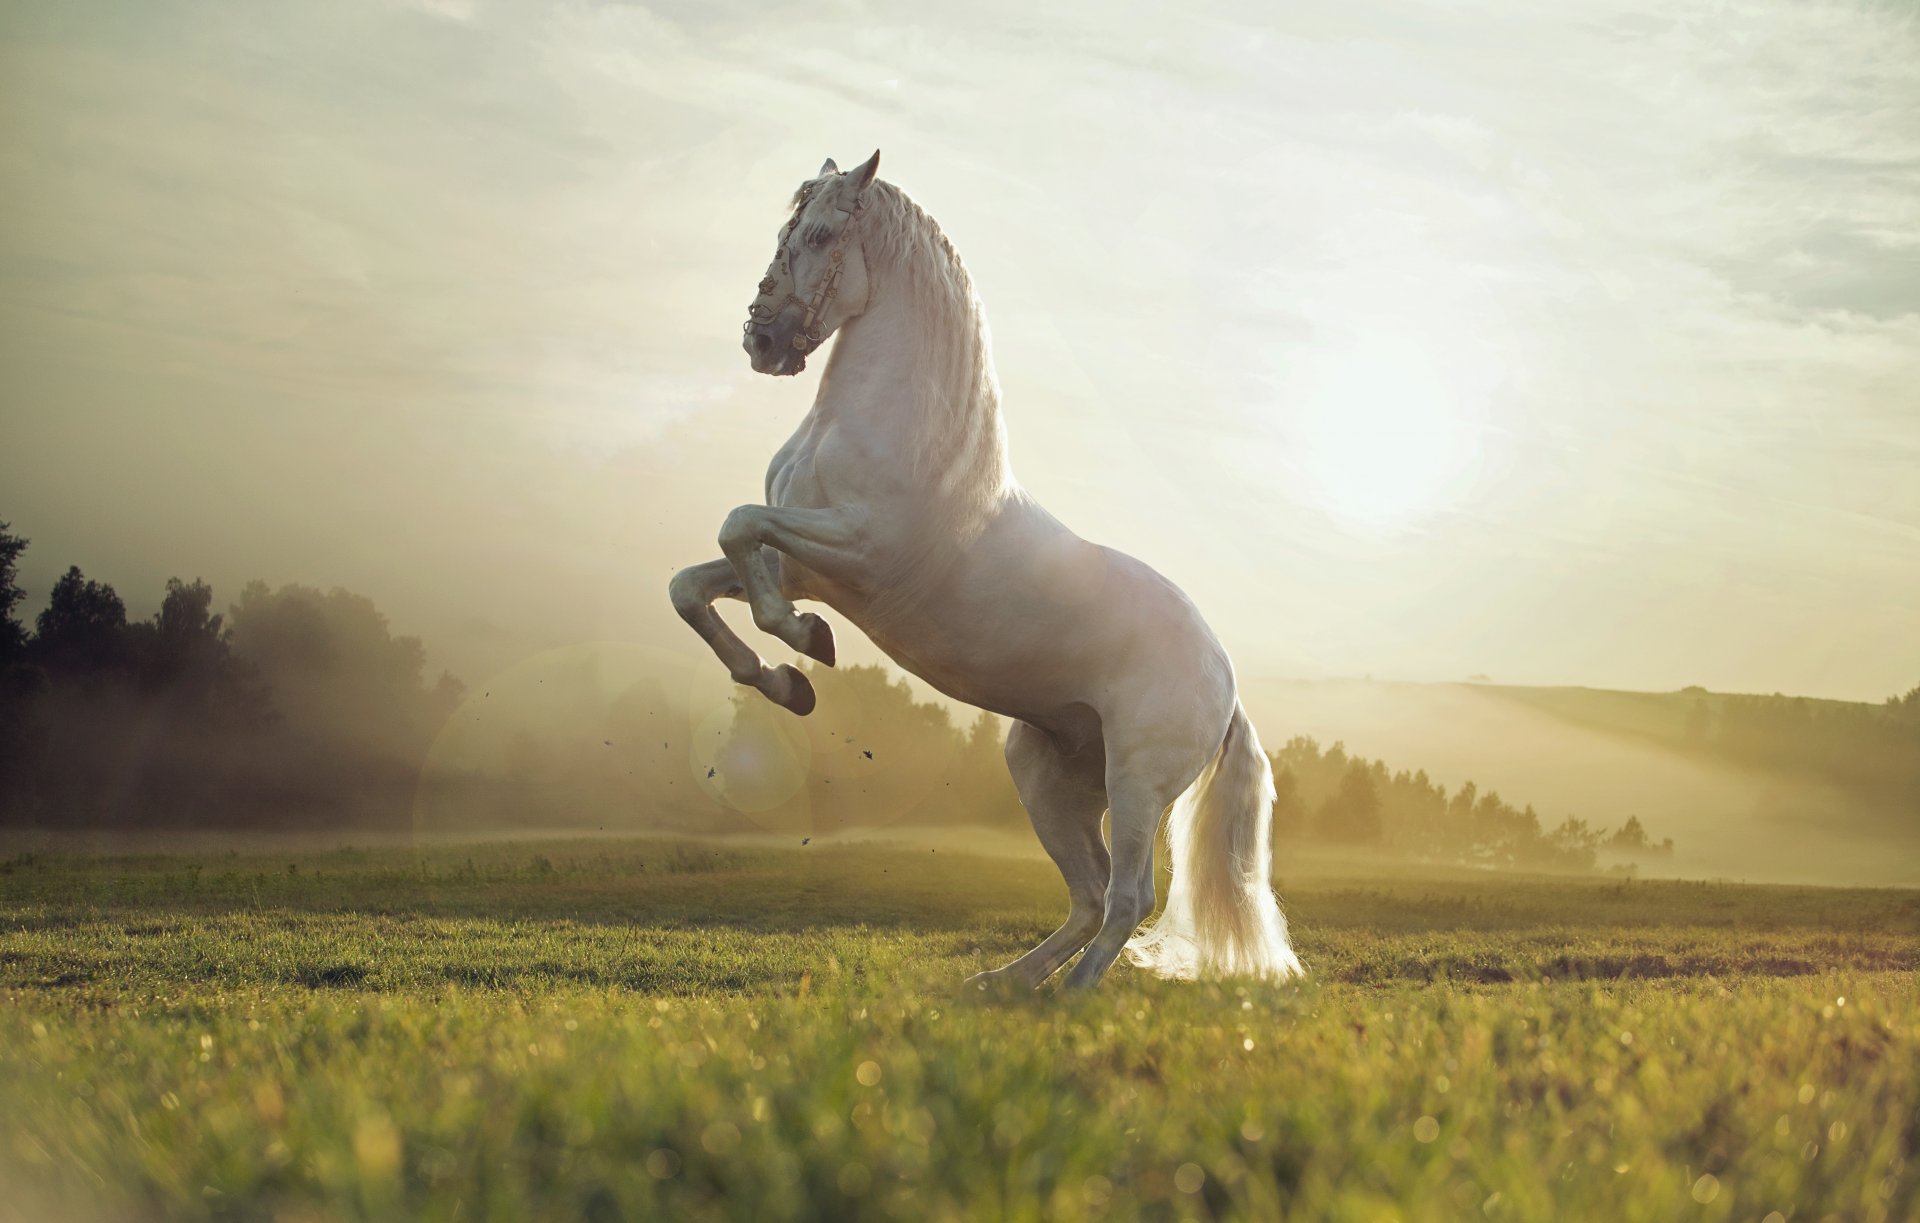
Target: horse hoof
992	984
795	690
818	644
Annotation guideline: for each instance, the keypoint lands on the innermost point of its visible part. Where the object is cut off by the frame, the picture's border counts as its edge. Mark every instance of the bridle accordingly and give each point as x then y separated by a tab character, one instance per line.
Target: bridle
761	311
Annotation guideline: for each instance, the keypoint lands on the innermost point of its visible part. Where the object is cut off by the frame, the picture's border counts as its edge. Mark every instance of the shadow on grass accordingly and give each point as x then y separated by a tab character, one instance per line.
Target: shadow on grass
791	893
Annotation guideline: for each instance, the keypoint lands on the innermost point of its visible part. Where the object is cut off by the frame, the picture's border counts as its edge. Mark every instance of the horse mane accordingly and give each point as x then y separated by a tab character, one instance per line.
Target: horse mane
959	441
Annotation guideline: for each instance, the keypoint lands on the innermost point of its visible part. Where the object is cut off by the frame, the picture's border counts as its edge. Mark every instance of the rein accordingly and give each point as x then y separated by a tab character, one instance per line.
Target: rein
761	311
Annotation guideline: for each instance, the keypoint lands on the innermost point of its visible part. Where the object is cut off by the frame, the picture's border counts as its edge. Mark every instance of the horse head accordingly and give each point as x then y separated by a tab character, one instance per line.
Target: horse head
818	277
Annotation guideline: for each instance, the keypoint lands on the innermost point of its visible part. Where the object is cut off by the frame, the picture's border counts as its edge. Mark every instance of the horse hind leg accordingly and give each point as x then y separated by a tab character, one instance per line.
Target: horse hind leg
1142	782
1064	797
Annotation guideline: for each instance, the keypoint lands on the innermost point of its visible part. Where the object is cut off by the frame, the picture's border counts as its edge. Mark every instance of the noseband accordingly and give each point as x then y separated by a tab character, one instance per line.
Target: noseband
761	311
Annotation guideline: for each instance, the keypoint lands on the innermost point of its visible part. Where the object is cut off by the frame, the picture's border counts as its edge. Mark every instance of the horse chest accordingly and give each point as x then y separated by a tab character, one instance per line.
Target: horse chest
808	472
801	476
790	473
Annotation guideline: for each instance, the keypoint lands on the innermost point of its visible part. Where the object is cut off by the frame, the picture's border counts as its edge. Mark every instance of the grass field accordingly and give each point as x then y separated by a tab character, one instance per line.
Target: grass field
660	1030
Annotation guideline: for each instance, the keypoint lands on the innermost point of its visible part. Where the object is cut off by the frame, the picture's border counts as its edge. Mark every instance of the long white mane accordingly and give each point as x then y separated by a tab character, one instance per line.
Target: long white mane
960	441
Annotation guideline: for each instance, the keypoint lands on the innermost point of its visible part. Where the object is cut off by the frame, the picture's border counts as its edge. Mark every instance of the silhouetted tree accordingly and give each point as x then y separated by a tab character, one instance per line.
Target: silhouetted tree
164	721
83	629
21	684
337	672
13	634
186	663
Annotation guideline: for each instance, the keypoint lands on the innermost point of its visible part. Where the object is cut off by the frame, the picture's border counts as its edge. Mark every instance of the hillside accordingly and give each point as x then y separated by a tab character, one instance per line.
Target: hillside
1603	756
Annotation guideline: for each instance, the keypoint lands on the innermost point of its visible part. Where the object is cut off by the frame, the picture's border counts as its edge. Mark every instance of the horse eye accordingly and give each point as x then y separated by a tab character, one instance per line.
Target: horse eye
819	236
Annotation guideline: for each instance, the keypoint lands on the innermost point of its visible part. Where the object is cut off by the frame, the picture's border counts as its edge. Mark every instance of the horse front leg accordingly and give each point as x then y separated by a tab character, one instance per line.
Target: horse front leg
693	591
827	541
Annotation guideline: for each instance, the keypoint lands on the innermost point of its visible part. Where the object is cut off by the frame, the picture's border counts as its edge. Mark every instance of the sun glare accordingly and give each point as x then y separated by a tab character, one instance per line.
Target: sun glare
1386	437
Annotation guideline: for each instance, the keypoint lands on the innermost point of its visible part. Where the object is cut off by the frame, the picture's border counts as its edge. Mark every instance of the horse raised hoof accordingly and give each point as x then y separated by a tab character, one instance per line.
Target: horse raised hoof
817	642
788	688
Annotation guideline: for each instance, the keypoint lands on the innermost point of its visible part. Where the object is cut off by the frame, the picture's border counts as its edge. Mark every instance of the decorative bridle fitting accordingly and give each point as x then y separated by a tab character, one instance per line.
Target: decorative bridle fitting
761	311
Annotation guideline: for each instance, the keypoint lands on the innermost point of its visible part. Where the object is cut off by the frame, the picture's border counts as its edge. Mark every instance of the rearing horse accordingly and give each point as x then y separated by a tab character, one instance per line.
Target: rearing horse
894	504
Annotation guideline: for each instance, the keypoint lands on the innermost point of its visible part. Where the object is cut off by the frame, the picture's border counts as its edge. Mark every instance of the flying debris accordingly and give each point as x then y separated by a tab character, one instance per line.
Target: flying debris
710	773
804	840
868	755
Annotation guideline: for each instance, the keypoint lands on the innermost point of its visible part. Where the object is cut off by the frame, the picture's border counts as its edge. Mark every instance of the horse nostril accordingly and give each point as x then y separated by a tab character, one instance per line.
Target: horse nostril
761	343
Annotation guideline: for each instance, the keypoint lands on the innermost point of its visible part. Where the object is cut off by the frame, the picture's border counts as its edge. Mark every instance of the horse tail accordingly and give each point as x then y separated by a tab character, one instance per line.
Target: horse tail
1222	918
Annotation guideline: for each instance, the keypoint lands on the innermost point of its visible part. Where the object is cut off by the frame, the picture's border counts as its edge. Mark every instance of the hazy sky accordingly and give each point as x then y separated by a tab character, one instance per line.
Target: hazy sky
1565	343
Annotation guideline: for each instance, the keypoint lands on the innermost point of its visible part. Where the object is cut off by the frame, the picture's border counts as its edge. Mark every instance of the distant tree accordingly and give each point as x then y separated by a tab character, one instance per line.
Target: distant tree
184	660
1457	823
83	629
1574	835
186	614
337	671
1632	840
1352	814
184	636
876	757
1699	721
982	786
13	634
22	686
1289	808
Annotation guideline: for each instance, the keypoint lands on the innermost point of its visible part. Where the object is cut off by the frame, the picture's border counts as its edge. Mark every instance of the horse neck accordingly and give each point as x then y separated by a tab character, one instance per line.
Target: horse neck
914	373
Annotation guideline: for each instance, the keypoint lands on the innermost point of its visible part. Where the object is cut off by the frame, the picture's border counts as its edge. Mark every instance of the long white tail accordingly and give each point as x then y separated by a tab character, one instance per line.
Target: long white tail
1221	918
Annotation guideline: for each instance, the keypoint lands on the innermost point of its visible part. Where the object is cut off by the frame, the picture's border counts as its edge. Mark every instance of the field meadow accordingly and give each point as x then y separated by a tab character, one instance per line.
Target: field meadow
659	1029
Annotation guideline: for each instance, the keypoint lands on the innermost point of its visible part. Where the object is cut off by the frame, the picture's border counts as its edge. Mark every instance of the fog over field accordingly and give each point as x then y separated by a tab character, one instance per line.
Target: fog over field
1726	819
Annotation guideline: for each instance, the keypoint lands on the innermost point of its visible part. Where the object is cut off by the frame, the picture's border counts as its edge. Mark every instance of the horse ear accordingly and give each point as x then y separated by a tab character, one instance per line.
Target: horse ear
863	175
828	167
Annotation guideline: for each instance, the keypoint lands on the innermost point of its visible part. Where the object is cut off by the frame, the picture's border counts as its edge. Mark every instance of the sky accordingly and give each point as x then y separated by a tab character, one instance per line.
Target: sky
1560	344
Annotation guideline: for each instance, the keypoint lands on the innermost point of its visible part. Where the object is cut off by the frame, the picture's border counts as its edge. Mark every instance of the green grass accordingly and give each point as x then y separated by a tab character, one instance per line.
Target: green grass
648	1029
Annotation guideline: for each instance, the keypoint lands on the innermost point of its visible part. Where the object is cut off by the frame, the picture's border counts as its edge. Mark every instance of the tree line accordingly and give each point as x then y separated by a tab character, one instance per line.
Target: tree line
872	755
876	755
300	708
295	707
1872	750
1343	799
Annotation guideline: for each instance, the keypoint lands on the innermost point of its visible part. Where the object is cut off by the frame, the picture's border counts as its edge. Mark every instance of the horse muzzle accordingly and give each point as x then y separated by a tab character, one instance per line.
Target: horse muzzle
771	348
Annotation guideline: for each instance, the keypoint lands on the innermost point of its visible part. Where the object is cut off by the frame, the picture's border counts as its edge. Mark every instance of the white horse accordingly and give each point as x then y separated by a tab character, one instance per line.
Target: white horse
893	504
